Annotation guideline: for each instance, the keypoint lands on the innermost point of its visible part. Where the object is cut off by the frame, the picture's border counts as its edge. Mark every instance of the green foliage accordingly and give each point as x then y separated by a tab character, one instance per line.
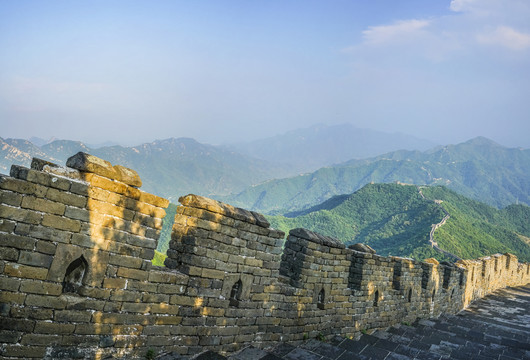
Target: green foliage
476	229
150	354
159	258
395	220
167	226
478	169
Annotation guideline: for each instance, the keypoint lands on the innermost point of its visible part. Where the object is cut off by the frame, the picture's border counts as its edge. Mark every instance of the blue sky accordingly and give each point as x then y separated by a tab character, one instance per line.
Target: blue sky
222	71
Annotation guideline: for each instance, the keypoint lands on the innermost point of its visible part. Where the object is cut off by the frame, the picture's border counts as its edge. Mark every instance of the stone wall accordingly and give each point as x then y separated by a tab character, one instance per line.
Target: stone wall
76	279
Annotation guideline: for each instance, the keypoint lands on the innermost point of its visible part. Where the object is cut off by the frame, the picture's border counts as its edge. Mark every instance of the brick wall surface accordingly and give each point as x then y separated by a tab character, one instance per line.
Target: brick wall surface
76	279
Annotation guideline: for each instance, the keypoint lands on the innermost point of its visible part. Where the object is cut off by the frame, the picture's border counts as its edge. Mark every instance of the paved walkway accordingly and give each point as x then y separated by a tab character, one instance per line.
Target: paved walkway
496	327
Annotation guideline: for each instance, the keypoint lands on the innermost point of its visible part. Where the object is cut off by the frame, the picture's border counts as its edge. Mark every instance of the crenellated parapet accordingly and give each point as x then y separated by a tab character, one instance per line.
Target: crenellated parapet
76	278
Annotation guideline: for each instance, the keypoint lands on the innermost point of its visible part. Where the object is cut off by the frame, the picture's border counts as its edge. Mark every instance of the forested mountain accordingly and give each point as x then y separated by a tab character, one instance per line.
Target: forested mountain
321	145
169	168
174	167
396	220
479	169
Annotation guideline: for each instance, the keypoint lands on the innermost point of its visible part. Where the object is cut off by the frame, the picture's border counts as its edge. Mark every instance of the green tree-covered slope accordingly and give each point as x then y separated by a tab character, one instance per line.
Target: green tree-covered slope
475	229
395	220
479	169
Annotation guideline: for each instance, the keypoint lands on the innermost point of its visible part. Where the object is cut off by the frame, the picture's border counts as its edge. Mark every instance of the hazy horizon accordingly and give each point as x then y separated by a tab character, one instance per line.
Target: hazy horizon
131	72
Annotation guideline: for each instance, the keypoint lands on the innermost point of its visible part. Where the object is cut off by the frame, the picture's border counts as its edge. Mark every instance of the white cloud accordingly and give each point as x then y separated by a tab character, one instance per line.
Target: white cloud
462	5
507	37
396	32
474	25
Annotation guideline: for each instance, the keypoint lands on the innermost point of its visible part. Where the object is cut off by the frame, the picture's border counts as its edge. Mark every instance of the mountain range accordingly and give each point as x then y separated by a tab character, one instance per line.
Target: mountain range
178	166
397	219
474	180
169	168
479	168
320	145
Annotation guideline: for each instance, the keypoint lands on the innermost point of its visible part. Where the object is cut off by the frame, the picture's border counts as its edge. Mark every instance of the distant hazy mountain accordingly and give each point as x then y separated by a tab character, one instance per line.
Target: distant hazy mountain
20	152
396	220
175	167
40	141
479	169
170	168
321	145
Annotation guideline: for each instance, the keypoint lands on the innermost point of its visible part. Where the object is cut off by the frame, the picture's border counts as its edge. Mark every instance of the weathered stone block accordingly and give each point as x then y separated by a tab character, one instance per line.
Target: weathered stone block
110	209
212	274
48	302
163	277
46	247
141	241
77	214
79	188
9	254
18	214
127	176
153	200
133	273
136	307
40	287
72	316
171	289
40	339
114	283
168	320
126	261
25	352
9	284
35	259
8	297
23	271
9	337
92	329
88	163
44	233
43	205
7	226
21	186
126	295
61	223
39	164
107	183
10	198
53	328
184	300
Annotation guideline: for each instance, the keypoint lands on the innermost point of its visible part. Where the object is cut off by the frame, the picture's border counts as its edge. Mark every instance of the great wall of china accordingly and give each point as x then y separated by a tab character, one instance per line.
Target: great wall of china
76	279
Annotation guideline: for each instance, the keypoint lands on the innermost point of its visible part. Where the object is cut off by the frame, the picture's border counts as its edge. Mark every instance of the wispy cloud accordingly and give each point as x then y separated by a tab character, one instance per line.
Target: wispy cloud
472	26
507	37
397	32
462	5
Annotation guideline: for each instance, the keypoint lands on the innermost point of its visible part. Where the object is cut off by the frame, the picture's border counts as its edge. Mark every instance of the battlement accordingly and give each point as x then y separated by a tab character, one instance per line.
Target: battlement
76	277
